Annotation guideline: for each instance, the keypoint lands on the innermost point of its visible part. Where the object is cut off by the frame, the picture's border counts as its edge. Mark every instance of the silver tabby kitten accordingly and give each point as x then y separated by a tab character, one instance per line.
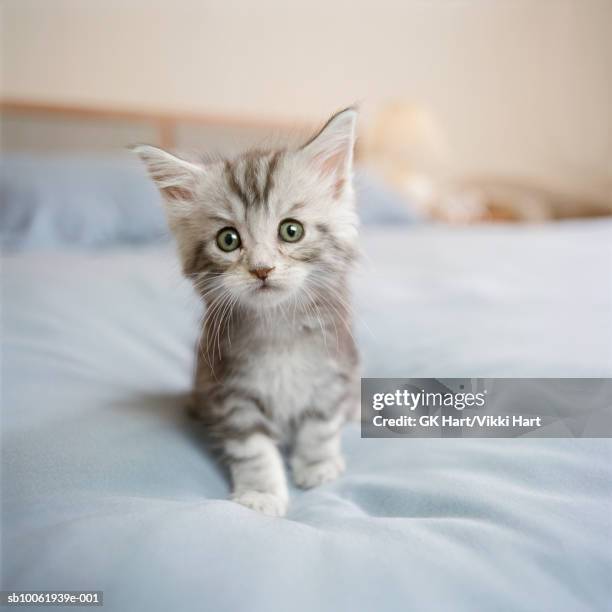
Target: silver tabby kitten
268	239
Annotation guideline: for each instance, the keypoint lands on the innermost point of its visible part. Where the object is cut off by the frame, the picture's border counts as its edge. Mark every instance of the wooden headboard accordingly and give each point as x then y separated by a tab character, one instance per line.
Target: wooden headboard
29	126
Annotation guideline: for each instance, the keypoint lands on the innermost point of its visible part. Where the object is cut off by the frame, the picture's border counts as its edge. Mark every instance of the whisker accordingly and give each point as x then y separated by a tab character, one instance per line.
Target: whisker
334	291
340	316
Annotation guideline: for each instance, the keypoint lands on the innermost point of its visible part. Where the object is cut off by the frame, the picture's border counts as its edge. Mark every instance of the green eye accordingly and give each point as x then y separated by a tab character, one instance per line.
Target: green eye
228	239
291	230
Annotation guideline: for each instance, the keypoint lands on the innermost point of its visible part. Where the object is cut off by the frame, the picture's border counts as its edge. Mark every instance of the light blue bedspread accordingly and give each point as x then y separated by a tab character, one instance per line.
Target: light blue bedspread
106	485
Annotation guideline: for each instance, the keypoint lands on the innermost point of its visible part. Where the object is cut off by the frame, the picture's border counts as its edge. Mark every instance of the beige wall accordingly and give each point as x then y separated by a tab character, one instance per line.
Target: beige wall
521	87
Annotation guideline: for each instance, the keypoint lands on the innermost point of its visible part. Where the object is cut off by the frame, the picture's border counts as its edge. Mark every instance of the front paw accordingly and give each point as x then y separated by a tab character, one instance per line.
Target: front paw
271	504
308	474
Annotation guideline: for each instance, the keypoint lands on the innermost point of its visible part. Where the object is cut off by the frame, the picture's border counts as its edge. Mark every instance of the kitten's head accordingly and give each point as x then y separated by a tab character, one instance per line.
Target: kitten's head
266	226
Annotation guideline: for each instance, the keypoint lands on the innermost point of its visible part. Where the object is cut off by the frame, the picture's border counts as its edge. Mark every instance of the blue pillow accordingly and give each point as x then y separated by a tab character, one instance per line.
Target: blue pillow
88	201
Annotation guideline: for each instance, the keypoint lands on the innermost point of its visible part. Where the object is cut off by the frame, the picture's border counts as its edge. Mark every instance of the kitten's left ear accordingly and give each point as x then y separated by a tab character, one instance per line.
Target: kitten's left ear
331	150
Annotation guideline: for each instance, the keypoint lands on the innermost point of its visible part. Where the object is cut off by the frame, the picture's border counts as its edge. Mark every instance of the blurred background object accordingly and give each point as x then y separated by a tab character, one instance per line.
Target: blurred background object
472	110
408	147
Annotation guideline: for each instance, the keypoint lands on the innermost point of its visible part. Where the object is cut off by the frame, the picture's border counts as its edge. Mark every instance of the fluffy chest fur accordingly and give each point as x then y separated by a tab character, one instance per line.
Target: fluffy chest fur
289	367
288	372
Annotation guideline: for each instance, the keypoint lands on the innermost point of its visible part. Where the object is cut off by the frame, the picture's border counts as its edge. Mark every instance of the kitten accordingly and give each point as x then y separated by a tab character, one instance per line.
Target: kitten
268	239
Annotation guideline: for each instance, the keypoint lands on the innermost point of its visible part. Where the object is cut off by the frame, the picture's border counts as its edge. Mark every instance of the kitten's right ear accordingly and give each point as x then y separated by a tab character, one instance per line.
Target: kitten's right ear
174	177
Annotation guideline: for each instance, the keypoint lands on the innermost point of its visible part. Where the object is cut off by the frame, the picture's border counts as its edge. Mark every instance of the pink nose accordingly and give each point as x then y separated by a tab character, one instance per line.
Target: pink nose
261	273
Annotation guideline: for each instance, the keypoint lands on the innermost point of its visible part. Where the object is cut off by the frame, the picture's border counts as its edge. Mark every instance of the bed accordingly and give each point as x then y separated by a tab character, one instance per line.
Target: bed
107	484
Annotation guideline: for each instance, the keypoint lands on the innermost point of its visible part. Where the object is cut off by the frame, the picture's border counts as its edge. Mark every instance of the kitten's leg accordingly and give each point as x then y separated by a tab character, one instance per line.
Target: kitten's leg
246	437
316	454
258	475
